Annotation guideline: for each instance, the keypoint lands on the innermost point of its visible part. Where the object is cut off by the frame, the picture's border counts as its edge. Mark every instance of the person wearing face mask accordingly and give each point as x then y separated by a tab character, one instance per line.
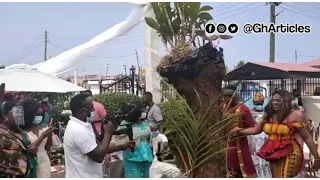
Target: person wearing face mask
137	162
99	116
83	153
47	108
162	169
255	142
18	152
34	128
19	97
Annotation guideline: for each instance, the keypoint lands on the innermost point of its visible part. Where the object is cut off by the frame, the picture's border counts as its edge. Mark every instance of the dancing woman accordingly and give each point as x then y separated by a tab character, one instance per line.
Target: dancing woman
282	125
238	157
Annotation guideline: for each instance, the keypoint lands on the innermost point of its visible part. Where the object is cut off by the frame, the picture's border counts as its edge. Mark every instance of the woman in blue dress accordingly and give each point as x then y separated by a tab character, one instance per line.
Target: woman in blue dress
137	162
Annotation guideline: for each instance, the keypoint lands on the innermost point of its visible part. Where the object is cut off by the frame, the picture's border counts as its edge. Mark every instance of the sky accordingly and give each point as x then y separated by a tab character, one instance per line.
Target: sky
71	24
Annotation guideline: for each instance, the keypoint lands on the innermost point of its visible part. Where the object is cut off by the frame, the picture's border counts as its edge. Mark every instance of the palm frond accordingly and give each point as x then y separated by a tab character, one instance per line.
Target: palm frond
196	139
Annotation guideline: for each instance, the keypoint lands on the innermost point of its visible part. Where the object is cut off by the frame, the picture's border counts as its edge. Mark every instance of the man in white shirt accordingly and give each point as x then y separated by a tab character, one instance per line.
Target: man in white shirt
83	156
162	169
154	113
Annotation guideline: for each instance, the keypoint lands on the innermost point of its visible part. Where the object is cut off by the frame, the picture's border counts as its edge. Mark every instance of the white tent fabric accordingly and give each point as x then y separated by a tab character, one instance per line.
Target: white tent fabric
67	59
25	78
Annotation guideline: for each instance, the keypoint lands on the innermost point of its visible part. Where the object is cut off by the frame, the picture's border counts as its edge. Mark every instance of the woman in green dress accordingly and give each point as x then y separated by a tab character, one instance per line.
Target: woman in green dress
18	159
137	162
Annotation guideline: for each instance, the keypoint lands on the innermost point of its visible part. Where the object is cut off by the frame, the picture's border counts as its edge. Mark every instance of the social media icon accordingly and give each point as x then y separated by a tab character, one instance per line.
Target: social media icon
210	28
221	28
233	28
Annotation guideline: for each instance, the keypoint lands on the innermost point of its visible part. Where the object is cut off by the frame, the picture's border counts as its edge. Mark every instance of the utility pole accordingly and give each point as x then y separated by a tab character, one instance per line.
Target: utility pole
137	56
273	16
125	69
45	45
107	70
295	57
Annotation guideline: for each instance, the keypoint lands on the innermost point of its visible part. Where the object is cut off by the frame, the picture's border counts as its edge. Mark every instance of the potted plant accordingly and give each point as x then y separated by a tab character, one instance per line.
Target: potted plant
193	65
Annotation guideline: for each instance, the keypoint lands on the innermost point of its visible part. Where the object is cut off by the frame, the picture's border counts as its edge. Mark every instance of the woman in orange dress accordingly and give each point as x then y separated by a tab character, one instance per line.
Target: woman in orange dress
281	124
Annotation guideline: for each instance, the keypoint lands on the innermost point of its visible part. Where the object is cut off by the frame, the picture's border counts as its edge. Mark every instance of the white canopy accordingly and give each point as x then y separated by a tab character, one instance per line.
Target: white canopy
68	58
25	78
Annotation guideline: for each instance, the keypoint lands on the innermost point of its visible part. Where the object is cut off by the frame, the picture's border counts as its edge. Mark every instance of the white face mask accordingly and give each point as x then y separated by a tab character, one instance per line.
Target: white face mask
37	120
45	99
91	117
155	134
143	115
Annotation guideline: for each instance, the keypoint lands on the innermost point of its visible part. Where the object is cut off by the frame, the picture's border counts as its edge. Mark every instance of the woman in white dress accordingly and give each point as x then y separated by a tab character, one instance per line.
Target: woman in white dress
33	118
262	166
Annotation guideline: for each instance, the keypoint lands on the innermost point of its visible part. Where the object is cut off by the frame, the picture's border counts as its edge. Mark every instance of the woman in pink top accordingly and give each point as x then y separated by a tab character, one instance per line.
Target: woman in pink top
100	114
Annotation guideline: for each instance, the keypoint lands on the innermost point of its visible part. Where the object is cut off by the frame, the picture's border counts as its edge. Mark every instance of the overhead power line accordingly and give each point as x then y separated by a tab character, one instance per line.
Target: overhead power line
298	10
103	57
235	9
82	39
19	59
225	6
129	35
25	50
219	20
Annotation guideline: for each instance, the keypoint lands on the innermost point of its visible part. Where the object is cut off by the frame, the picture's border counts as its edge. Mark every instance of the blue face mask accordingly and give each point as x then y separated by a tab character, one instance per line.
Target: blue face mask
155	133
259	108
90	118
37	120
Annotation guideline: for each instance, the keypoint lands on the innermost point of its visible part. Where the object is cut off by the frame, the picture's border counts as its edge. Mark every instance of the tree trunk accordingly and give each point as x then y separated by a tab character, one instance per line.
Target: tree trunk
202	73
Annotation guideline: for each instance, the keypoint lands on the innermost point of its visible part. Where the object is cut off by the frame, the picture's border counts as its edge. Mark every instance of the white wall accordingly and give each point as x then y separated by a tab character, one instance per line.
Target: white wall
312	106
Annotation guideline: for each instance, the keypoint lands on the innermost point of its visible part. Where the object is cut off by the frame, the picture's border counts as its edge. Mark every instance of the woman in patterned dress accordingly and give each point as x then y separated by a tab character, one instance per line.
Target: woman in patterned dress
281	124
18	153
137	162
34	129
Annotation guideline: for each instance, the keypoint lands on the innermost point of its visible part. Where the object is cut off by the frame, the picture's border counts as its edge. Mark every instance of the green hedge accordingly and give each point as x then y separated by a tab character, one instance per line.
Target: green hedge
113	102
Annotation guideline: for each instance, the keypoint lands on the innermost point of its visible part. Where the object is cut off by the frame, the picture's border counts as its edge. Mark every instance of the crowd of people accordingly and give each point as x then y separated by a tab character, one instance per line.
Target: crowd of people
275	136
24	140
89	141
286	131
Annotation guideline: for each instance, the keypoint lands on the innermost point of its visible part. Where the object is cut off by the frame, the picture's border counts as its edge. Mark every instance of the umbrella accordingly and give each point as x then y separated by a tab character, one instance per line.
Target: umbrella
25	78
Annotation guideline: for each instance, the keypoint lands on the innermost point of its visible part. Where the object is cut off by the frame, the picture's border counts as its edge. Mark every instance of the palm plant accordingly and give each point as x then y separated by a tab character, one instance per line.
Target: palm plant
184	23
195	68
191	135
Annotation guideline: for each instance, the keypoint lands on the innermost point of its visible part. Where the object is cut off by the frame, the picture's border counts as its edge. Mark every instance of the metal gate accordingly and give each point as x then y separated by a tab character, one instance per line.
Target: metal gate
247	89
126	84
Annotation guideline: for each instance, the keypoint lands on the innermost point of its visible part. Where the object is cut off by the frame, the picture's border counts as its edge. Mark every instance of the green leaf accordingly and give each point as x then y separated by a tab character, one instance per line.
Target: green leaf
213	38
205	16
192	10
176	25
205	8
201	32
158	14
152	23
